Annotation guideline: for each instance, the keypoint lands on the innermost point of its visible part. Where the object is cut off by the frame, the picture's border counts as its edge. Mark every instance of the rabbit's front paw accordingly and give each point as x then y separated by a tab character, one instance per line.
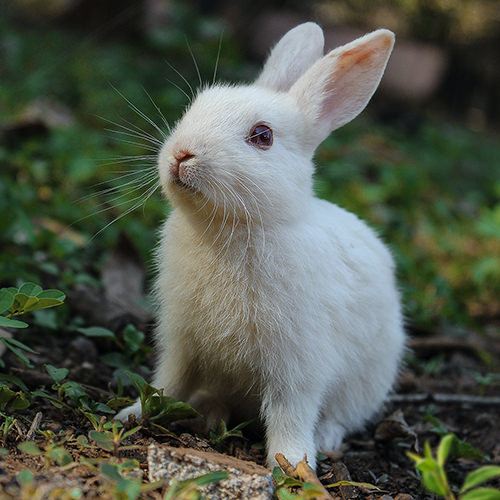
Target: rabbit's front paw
134	409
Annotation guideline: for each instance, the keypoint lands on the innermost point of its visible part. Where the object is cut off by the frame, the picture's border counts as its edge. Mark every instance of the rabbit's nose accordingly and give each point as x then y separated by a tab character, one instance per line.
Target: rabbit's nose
177	168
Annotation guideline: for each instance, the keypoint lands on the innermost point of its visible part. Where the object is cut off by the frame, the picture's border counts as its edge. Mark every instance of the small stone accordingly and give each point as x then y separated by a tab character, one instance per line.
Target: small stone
403	496
245	479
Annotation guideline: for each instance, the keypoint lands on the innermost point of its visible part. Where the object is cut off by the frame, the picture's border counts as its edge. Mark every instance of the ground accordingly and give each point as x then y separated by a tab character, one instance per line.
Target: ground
438	367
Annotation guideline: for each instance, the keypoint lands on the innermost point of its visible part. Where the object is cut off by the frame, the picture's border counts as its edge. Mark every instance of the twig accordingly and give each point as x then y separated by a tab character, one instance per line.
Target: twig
302	472
285	465
464	399
340	473
34	425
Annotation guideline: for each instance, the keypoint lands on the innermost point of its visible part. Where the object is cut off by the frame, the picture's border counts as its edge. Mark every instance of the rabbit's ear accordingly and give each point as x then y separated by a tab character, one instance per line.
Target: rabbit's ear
292	56
338	87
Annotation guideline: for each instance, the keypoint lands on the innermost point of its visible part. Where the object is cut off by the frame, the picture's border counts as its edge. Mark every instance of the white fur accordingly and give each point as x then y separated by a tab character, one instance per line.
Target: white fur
272	301
292	55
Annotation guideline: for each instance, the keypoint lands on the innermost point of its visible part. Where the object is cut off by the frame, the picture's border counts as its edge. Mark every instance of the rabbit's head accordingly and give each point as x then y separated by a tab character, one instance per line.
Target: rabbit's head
247	149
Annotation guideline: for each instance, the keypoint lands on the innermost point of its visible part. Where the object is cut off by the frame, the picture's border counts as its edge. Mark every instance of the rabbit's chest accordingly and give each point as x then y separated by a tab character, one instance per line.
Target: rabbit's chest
228	312
224	302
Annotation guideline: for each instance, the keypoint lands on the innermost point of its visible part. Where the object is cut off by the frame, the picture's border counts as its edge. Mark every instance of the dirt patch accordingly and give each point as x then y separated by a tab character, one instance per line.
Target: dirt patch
442	389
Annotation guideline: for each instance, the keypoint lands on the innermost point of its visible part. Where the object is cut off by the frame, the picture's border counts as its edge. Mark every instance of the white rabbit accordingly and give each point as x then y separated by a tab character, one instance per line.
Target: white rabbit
274	302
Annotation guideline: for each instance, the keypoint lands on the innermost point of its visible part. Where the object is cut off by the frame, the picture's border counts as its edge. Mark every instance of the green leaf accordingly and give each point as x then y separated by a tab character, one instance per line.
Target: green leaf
60	455
20	300
75	493
117	403
368	486
428	451
25	477
29	447
133	338
428	465
165	410
278	475
12	400
284	493
57	374
211	477
31	289
116	360
42	304
311	490
416	458
130	487
11	379
462	449
74	392
102	408
19	344
482	494
131	463
444	448
145	391
6	299
131	431
111	471
9	344
97	331
433	482
82	440
52	294
189	488
12	323
481	475
103	439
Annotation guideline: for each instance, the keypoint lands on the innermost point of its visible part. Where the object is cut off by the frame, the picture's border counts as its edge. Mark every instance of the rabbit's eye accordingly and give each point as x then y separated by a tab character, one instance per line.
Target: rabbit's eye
261	136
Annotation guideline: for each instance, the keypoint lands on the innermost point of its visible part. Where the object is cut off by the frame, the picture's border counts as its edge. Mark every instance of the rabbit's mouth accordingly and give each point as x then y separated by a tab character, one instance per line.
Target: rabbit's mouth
183	185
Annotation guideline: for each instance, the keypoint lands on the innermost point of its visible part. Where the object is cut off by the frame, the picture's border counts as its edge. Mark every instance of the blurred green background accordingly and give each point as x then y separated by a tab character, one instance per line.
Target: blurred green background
422	168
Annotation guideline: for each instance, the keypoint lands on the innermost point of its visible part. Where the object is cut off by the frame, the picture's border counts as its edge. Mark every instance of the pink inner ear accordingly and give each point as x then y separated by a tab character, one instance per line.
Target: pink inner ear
354	75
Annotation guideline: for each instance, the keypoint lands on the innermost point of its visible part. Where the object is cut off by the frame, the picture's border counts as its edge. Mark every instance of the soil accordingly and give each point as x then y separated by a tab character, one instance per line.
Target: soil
440	389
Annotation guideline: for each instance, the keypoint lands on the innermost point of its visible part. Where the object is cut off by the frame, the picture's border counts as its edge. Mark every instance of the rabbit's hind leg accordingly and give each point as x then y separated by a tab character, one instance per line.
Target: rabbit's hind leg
213	410
329	434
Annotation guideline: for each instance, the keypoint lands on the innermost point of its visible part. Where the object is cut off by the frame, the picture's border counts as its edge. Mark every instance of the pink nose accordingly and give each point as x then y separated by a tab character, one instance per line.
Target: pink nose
177	168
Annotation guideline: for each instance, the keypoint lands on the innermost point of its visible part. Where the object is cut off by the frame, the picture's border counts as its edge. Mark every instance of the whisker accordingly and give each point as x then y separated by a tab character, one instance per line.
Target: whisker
127	173
244	178
139	112
131	209
137	136
188	97
139	180
213	213
194	61
145	146
112	206
136	131
162	116
147	198
218	56
136	128
185	81
223	223
150	159
234	224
